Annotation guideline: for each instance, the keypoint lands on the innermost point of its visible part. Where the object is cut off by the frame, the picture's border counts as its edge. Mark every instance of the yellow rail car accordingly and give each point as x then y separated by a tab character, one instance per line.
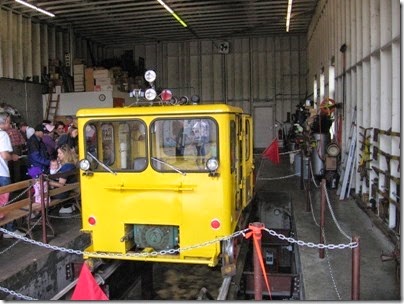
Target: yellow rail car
158	178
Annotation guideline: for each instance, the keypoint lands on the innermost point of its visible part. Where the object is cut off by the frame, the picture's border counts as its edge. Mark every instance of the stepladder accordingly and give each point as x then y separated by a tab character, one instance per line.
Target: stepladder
52	106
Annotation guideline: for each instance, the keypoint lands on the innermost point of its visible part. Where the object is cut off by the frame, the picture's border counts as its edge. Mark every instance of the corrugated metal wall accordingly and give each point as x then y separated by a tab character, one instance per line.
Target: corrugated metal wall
371	31
256	71
263	70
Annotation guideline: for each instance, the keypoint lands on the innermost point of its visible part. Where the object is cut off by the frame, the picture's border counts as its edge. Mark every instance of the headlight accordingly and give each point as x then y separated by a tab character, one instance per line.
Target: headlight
212	164
150	94
84	164
150	76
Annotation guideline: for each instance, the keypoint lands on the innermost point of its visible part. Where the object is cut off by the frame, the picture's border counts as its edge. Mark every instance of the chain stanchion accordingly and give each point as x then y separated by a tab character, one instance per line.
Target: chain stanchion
308	205
322	218
301	170
355	293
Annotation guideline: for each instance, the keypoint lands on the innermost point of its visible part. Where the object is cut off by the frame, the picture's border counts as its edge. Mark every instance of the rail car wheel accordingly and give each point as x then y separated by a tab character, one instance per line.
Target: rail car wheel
229	257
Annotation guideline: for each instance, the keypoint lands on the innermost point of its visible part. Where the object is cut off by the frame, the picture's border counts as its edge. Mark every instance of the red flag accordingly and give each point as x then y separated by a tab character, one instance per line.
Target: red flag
87	287
272	152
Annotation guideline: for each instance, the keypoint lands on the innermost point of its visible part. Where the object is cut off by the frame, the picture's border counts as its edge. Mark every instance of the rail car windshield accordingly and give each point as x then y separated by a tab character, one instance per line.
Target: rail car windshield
168	145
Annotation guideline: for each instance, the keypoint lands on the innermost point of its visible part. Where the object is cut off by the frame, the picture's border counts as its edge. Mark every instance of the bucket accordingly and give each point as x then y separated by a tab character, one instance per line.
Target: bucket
298	171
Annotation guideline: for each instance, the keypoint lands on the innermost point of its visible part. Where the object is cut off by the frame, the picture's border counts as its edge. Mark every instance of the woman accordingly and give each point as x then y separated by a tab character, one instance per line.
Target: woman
68	160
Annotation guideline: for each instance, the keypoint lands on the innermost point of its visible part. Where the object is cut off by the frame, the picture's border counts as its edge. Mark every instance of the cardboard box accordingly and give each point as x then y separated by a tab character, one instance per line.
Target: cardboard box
89	79
89	85
103	73
103	81
78	69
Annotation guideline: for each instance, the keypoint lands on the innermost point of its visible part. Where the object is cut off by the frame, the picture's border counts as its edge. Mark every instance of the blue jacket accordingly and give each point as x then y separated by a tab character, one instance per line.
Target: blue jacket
38	154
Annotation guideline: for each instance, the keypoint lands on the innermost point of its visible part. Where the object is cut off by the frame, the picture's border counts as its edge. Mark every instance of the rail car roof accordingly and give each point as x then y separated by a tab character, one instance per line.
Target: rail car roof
159	110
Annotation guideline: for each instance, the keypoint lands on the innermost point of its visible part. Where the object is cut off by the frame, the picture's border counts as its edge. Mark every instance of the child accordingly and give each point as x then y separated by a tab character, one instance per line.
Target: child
54	166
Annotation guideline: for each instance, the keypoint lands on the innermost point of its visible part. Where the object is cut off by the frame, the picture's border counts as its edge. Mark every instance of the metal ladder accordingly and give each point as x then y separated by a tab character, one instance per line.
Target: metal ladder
347	169
52	106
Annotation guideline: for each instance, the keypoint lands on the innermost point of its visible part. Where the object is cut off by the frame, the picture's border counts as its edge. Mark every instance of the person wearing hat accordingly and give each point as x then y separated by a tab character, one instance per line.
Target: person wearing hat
37	152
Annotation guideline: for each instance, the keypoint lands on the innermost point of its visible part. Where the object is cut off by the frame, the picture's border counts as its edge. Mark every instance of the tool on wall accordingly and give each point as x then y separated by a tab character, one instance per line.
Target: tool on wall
363	166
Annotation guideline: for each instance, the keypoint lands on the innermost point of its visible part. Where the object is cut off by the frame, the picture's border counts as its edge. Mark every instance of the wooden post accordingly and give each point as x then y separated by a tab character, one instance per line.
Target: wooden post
43	209
355	293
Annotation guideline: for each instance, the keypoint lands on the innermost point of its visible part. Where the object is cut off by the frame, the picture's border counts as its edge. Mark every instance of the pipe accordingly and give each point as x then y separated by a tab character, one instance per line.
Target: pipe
308	207
258	275
322	217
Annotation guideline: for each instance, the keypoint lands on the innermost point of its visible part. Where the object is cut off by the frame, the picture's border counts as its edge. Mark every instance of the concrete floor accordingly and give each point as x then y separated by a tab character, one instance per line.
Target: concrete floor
329	279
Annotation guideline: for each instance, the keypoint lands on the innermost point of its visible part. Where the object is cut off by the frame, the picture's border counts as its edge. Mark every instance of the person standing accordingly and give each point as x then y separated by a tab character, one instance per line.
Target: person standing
48	139
18	144
26	130
6	154
37	153
200	130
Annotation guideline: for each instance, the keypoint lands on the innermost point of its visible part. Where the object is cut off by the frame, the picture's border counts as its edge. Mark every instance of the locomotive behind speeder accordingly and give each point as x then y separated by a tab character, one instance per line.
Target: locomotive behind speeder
160	177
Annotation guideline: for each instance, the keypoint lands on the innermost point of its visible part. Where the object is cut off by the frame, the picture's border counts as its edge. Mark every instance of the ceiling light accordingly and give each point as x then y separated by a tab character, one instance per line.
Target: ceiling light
172	13
35	8
288	14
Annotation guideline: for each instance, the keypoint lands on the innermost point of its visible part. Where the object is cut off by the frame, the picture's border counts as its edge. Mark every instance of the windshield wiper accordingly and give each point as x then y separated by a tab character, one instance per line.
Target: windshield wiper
101	163
168	165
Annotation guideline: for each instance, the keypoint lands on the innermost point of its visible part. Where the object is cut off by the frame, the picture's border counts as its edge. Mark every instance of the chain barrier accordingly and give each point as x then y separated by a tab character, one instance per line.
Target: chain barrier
333	215
280	236
311	206
277	178
16	294
16	242
312	176
169	251
334	282
18	196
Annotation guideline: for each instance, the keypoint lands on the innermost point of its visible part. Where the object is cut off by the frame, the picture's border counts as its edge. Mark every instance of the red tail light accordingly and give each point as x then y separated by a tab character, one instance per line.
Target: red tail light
215	224
91	220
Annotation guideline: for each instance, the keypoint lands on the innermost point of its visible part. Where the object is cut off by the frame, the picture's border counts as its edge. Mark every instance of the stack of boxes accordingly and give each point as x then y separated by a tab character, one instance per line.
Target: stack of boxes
99	79
89	79
78	76
103	80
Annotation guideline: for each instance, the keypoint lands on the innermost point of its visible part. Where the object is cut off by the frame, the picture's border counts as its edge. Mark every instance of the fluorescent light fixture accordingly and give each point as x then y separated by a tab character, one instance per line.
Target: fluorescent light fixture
35	8
288	14
172	13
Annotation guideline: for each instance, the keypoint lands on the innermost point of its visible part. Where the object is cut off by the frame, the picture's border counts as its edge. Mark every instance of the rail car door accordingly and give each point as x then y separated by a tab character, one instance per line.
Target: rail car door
247	159
238	163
